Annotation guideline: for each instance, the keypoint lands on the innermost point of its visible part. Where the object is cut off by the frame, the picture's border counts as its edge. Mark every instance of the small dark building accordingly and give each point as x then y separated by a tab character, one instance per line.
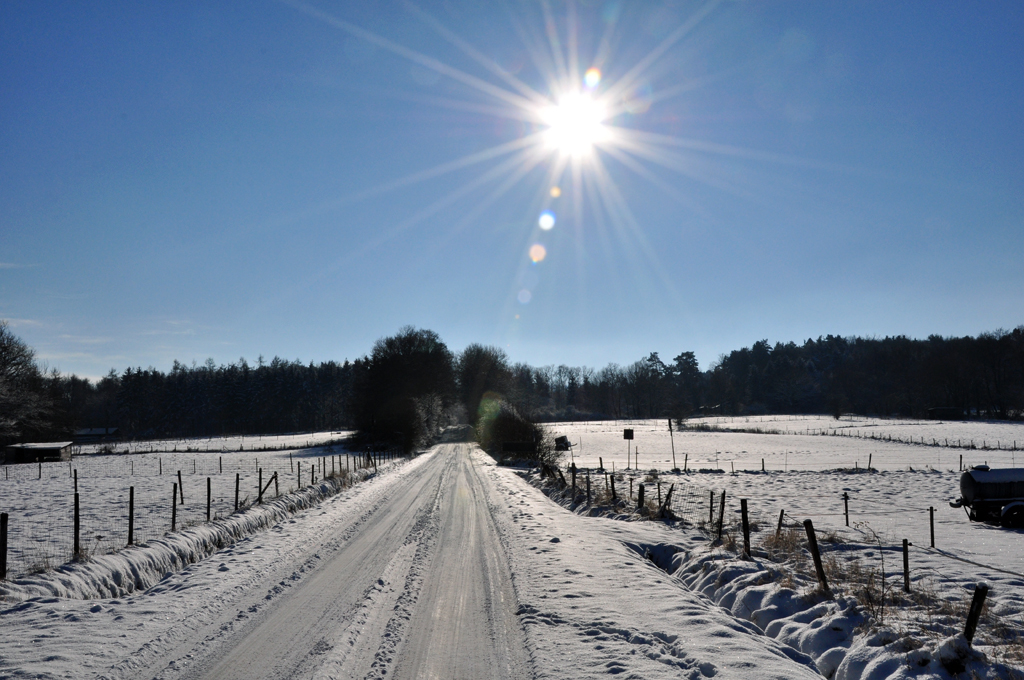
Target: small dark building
45	452
94	435
945	413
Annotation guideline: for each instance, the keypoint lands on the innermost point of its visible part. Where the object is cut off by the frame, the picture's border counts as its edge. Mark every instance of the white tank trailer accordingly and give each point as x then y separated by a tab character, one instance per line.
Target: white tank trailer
993	495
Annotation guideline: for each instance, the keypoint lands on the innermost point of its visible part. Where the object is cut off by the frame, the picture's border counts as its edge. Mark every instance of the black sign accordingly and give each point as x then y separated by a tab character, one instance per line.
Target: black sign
627	434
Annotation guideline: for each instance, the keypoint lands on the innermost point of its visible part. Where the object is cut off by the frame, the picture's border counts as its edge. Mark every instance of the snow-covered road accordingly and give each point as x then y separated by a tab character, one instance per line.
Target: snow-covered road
443	567
416	589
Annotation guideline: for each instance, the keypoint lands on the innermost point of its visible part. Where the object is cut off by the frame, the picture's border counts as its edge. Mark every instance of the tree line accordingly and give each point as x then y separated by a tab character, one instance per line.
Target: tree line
975	377
411	384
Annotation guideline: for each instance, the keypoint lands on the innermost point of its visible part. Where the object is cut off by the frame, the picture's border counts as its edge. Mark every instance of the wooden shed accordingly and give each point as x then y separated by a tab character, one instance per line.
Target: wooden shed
44	452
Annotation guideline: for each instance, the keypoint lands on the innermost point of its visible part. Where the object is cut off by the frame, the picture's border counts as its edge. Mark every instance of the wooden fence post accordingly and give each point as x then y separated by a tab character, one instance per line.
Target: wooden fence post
572	470
75	473
131	515
846	507
906	566
238	478
614	497
931	523
181	488
221	465
812	541
711	511
3	546
588	486
209	496
746	528
721	514
640	497
663	512
277	491
259	488
174	506
778	529
977	603
78	547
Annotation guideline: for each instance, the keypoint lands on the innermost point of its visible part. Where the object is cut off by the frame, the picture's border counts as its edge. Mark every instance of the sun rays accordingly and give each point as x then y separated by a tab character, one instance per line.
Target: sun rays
585	119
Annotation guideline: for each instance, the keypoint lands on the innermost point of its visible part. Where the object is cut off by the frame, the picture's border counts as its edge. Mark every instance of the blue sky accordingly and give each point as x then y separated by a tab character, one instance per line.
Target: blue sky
212	179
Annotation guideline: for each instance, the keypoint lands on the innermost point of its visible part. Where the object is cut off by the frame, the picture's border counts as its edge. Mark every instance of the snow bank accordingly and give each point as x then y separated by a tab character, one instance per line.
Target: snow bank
837	633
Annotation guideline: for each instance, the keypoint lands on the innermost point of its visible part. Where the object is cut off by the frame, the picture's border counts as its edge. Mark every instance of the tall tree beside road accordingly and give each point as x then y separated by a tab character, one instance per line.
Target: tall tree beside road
404	389
482	370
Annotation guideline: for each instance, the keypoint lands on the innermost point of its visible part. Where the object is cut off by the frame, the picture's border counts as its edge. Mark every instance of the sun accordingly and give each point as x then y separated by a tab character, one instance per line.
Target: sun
576	124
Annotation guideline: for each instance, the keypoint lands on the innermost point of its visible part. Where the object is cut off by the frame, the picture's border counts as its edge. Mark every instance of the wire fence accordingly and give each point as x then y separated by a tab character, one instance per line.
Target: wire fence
851	562
134	499
719	515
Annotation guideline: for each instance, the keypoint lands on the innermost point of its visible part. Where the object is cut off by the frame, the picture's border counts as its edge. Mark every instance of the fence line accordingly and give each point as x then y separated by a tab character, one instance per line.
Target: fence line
945	442
41	536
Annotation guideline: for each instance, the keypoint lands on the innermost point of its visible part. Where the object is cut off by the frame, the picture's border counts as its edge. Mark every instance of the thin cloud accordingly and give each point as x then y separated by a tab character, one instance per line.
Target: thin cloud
15	323
187	331
85	340
15	265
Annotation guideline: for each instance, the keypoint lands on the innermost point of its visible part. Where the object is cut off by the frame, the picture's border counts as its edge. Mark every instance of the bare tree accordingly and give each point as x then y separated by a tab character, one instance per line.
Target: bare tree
23	403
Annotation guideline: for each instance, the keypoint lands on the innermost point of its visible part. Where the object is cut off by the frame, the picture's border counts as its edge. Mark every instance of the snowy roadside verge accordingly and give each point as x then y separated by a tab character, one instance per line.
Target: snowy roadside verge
851	635
139	567
592	606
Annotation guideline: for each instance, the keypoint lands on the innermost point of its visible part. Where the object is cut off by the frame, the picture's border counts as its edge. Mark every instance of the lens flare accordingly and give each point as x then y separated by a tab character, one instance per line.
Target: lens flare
592	77
637	100
524	296
555	192
547	220
538	253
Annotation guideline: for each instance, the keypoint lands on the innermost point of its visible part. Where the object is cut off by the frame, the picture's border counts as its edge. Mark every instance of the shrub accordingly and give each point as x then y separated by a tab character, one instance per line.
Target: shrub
500	424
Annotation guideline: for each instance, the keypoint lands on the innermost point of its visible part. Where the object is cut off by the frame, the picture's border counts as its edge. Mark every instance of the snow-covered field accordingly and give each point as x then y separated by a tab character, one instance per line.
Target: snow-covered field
40	499
261	442
799	447
807	475
343	588
949	433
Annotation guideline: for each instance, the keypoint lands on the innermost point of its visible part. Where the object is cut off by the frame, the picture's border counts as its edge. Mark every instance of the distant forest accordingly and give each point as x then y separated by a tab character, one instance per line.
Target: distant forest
411	383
